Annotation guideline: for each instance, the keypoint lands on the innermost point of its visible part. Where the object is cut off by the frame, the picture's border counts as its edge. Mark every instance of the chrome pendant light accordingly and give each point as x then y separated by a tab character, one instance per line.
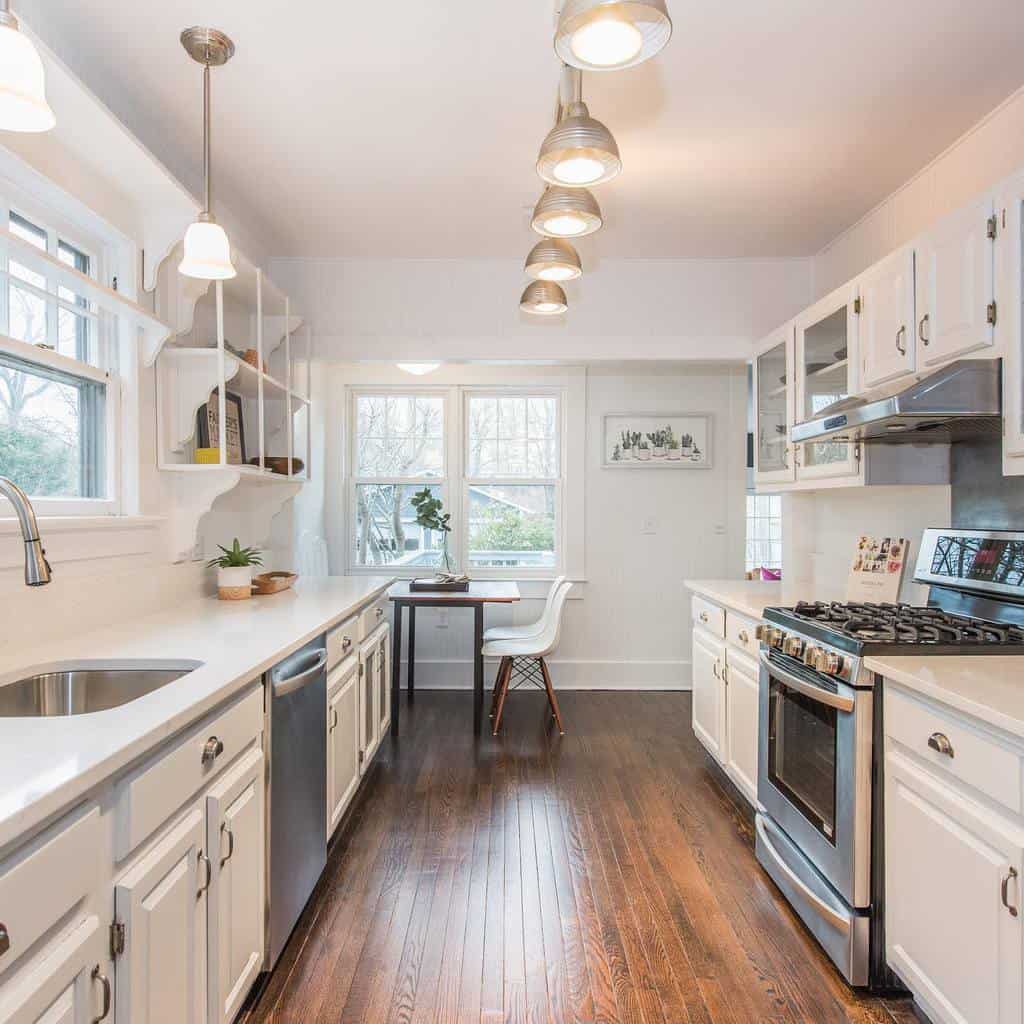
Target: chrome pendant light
23	106
607	35
553	259
566	213
207	250
543	298
579	151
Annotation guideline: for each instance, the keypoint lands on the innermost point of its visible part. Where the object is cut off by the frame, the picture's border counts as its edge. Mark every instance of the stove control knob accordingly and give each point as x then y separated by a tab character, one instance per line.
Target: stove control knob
793	646
832	664
812	655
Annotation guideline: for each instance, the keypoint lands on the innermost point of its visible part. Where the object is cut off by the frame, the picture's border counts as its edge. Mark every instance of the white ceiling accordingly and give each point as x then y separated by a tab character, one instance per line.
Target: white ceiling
410	128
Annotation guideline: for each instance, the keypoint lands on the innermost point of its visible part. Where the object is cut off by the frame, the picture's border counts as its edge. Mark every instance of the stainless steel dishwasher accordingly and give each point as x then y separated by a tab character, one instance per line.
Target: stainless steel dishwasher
296	730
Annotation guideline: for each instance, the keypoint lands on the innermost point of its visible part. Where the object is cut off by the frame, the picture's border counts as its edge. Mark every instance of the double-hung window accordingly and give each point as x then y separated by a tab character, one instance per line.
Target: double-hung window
398	448
56	415
513	481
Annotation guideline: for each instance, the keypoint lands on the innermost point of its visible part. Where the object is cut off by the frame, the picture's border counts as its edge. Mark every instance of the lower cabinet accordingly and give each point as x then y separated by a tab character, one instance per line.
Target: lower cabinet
384	681
374	693
343	733
708	697
742	705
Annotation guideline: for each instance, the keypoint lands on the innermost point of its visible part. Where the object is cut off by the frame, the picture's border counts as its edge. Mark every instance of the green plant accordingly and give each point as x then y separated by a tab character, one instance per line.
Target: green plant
236	557
617	454
430	516
672	444
686	441
642	446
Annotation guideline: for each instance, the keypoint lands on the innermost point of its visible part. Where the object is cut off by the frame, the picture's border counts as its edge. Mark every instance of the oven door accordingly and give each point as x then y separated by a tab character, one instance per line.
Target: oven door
814	779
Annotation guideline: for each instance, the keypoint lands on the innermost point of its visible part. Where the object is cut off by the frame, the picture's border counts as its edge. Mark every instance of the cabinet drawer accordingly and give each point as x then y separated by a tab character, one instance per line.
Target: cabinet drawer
979	760
709	615
741	632
149	795
44	880
342	641
372	616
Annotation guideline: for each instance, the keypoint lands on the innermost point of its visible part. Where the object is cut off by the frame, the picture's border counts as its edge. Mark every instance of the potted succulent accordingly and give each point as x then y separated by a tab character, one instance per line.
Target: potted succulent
234	571
672	450
643	452
657	440
686	445
626	444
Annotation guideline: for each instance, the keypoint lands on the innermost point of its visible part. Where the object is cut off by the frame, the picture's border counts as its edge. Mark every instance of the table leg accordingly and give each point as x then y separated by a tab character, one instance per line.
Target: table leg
410	680
396	667
478	666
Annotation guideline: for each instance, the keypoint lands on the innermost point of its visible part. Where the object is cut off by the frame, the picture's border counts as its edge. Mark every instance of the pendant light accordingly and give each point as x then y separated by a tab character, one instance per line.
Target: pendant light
553	259
418	369
23	106
207	250
579	150
607	35
543	298
566	213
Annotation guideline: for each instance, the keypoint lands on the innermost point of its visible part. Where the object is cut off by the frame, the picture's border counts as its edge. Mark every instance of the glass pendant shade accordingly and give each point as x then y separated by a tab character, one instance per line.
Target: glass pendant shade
207	252
566	213
553	259
607	35
23	106
579	151
418	369
543	298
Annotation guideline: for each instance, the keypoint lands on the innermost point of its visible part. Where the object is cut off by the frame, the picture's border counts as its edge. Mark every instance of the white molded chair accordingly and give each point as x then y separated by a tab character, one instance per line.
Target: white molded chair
530	628
523	661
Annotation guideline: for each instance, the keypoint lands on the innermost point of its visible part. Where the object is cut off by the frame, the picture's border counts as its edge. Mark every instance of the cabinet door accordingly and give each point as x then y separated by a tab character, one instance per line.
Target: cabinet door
1010	322
161	976
773	412
236	839
825	358
342	745
66	984
956	277
708	706
368	720
953	883
741	720
384	683
886	324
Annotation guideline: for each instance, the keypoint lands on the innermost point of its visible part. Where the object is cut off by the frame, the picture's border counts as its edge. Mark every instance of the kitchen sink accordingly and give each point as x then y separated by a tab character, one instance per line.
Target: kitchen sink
78	688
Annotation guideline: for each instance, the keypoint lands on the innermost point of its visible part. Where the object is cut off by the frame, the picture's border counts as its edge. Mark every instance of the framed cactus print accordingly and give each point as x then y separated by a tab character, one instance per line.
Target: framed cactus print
657	440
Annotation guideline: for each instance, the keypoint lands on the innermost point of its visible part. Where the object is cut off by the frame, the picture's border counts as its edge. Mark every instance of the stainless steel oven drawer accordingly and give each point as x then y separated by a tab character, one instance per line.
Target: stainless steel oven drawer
842	931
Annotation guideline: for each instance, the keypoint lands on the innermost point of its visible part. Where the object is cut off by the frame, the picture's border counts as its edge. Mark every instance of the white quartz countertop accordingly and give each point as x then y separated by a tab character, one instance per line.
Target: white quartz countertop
751	597
46	764
987	687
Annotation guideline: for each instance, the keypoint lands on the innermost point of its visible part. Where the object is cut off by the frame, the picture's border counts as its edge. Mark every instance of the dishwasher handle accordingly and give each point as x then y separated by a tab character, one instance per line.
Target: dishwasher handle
289	684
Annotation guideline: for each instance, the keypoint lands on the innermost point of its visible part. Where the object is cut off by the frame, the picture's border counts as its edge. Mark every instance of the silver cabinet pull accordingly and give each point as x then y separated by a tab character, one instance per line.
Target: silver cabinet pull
212	750
346	643
5	939
920	330
901	346
98	975
744	636
231	844
939	742
704	617
380	612
714	670
209	873
1004	891
334	720
725	674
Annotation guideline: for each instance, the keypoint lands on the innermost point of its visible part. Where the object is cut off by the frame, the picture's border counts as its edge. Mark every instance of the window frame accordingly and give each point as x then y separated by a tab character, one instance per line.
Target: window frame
750	518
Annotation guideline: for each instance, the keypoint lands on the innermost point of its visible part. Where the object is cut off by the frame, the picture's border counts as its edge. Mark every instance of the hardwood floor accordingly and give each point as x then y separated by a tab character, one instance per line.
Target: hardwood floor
604	876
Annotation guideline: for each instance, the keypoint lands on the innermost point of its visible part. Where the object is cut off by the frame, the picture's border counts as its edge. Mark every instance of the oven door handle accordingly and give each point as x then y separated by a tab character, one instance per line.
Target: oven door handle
835	919
833	700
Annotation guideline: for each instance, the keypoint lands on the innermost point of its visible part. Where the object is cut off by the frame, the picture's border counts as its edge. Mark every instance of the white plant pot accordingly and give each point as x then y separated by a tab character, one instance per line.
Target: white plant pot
627	453
687	450
643	454
672	454
659	451
235	583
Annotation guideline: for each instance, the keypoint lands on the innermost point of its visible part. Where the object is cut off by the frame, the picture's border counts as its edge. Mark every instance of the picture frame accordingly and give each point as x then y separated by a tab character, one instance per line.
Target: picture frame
685	438
208	427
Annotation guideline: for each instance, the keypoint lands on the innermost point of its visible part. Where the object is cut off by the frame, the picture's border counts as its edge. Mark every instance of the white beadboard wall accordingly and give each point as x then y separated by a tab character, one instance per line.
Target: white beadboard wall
986	154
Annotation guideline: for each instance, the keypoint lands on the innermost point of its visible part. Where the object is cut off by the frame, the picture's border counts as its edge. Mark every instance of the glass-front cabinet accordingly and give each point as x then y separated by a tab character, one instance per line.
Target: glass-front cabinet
1010	323
773	404
825	364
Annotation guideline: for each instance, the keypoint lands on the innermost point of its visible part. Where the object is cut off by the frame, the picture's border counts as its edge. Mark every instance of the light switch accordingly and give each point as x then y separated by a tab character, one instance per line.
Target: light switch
650	525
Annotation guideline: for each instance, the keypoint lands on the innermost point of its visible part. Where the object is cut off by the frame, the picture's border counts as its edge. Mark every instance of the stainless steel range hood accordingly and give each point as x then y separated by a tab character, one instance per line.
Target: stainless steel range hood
960	401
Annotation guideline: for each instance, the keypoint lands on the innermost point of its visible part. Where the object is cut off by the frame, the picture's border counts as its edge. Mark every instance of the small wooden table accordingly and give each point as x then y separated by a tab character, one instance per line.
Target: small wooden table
480	592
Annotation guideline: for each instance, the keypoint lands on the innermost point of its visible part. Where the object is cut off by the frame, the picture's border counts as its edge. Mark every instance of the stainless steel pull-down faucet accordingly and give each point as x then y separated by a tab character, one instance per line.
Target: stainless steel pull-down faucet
37	568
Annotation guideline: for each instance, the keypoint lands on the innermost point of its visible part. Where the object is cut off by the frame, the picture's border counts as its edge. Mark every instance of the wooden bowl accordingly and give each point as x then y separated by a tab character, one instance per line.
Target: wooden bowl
279	464
273	582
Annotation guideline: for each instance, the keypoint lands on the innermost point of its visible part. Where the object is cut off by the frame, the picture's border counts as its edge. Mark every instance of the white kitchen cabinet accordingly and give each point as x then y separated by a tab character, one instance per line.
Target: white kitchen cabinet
953	896
69	983
773	402
956	285
886	322
161	904
369	718
235	839
383	683
742	689
343	735
1010	321
708	691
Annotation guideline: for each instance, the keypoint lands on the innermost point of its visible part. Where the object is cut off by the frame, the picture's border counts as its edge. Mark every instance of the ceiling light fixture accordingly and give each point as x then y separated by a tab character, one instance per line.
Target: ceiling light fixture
607	35
418	369
543	298
553	259
579	150
23	106
566	213
207	250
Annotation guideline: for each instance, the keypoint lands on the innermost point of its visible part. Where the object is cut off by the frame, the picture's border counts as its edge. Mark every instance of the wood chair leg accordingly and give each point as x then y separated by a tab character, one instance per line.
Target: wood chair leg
552	699
502	665
502	694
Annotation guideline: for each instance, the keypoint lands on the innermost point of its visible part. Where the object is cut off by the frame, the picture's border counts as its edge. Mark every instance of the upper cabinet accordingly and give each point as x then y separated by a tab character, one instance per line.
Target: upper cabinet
773	386
886	321
1009	332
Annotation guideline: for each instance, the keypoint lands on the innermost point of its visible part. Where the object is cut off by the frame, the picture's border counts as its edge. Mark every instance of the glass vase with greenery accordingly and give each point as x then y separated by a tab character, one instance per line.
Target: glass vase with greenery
430	515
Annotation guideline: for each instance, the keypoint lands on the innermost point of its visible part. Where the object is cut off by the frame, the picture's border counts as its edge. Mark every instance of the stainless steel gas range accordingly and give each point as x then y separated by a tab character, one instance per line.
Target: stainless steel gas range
820	814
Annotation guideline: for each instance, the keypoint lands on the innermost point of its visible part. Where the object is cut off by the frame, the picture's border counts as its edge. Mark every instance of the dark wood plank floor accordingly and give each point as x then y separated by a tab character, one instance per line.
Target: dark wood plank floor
604	876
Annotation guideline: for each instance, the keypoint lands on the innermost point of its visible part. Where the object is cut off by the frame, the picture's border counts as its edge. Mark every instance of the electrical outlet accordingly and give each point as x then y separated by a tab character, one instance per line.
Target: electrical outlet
719	530
442	618
649	525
